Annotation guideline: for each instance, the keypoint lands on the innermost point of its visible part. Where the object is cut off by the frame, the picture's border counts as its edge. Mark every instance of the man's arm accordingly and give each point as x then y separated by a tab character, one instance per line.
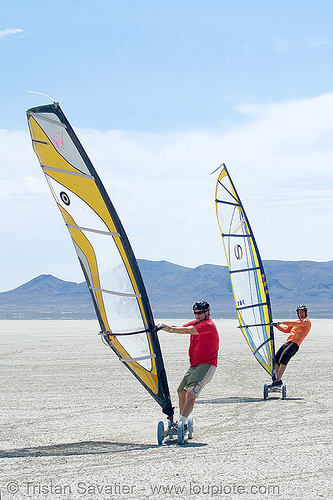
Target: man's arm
190	330
280	325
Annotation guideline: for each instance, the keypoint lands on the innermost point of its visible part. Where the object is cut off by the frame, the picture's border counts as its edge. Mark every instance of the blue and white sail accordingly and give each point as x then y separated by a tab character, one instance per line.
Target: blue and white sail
246	272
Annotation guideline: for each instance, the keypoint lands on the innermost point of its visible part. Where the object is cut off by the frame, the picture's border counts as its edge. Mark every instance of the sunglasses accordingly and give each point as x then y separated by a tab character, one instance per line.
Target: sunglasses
198	312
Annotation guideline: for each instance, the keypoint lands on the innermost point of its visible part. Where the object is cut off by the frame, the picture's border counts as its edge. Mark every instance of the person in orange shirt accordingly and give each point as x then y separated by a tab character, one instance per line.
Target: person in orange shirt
298	330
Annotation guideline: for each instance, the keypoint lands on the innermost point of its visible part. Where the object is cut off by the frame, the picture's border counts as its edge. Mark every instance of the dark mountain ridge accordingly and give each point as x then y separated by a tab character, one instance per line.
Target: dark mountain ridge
172	290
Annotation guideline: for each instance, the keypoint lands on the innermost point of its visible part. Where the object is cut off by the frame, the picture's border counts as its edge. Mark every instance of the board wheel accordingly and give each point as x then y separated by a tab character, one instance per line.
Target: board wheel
190	427
180	432
160	432
265	391
283	391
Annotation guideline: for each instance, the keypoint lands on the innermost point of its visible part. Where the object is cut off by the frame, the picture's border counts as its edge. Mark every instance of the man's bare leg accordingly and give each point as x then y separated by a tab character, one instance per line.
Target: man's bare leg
280	369
186	403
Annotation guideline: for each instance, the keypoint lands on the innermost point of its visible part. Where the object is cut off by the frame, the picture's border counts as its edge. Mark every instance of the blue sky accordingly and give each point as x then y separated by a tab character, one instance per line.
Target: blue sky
162	65
161	93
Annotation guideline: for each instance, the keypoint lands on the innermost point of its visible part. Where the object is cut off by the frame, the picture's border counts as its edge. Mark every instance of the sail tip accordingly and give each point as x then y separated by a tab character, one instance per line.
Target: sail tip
45	95
218	168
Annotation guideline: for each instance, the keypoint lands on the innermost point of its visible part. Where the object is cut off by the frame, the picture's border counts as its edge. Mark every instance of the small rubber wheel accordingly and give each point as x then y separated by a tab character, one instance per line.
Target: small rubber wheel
180	432
265	391
190	427
284	391
160	432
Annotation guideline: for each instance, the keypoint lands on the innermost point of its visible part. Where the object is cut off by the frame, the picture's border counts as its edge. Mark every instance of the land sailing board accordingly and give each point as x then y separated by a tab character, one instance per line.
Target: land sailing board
282	389
181	433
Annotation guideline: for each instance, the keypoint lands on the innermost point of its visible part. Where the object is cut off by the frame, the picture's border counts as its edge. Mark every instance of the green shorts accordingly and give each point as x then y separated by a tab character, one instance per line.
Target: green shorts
196	378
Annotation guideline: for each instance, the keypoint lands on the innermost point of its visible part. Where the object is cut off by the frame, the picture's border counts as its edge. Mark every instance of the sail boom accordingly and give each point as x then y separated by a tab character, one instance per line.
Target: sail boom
256	324
116	334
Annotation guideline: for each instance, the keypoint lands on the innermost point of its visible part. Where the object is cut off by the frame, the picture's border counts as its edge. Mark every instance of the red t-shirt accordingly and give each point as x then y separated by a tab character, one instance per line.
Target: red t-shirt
203	347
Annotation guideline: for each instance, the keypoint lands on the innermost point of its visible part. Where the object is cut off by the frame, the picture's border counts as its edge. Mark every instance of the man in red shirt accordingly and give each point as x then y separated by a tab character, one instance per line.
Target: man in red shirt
298	330
203	352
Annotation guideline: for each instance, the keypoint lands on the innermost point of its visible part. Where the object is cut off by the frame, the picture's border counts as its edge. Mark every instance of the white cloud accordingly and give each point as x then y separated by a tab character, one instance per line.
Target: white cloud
15	157
313	43
9	33
283	44
280	160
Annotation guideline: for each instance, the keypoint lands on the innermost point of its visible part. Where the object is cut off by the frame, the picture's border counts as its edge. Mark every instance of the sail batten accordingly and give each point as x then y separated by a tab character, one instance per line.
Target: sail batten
62	171
89	229
122	294
260	304
34	141
231	235
104	252
246	271
260	346
46	119
234	204
141	358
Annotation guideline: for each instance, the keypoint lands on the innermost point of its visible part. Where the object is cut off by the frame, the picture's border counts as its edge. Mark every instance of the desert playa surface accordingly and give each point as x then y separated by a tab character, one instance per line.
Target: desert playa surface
76	424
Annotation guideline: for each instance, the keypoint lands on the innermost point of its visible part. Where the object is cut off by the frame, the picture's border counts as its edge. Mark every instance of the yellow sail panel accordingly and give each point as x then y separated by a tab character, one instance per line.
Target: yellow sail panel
104	252
48	156
246	272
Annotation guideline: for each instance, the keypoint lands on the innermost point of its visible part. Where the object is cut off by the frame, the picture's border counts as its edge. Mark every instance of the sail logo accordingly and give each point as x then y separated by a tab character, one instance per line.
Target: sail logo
238	252
264	282
58	139
65	198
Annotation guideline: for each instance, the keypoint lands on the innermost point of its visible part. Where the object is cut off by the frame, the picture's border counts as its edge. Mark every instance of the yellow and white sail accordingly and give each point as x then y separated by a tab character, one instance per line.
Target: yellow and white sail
103	249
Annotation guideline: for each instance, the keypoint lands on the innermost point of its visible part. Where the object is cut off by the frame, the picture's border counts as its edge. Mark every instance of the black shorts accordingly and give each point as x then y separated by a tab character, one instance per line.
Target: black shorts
286	351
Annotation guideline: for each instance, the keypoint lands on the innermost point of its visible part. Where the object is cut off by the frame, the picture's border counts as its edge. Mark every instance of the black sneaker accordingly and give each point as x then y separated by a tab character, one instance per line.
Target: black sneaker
275	384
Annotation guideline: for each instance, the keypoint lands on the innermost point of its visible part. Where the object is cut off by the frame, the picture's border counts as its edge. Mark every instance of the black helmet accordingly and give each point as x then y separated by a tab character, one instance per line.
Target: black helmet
302	306
202	305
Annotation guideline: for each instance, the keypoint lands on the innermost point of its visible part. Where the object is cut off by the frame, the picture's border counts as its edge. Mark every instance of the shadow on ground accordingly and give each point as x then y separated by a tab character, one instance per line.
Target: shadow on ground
235	399
83	448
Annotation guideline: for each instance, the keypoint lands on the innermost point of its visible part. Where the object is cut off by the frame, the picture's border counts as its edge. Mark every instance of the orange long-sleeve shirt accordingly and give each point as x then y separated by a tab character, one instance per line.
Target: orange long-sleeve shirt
298	329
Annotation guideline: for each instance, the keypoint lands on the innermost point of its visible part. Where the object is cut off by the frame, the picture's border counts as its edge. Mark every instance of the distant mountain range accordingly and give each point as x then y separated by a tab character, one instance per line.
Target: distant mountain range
172	290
